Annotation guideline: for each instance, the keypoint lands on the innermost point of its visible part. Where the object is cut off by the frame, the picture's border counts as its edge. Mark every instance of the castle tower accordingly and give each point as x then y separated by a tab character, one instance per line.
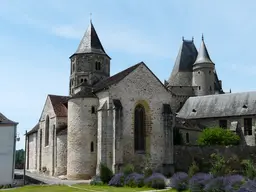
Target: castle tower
82	134
203	72
89	63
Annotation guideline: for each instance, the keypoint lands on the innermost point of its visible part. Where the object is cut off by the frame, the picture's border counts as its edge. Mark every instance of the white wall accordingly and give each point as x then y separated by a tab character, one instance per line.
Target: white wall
7	147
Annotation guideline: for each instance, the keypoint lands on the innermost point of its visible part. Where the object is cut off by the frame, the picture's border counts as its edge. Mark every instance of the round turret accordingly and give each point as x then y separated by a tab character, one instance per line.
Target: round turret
82	135
203	73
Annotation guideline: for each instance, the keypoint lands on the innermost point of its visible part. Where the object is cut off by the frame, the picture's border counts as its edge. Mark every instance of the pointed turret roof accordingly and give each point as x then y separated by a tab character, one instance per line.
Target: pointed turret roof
203	55
90	42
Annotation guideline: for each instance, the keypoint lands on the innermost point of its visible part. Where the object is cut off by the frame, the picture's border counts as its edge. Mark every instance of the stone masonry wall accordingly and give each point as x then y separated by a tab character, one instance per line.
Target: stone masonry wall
61	160
141	86
32	153
184	155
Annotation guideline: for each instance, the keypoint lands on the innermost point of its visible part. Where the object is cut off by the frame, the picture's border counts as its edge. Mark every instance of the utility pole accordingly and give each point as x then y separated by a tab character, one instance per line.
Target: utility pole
25	160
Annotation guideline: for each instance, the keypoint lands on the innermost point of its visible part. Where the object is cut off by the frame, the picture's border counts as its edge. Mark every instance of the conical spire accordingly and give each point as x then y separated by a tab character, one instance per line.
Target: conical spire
90	42
203	55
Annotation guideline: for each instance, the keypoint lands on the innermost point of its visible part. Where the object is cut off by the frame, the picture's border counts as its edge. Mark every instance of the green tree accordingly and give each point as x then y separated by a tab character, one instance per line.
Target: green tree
20	159
218	136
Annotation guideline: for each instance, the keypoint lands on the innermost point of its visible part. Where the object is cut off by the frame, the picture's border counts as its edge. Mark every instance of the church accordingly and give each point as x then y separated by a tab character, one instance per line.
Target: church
120	119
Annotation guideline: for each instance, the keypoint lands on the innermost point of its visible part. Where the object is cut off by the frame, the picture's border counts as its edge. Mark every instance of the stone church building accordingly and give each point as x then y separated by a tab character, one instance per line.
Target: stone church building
119	119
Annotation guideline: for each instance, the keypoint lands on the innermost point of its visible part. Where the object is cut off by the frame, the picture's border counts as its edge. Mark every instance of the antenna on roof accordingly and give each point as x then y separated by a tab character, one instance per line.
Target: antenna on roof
202	36
229	90
182	38
192	38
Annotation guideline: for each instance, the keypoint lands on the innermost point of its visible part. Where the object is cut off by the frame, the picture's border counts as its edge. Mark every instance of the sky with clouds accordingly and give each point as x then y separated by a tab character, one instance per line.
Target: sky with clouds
37	38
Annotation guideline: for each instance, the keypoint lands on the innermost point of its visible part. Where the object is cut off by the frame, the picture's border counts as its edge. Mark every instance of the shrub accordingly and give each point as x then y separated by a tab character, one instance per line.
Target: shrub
249	186
105	173
147	170
249	169
96	181
134	180
198	181
219	165
218	136
117	180
233	182
193	169
215	185
128	169
179	181
156	181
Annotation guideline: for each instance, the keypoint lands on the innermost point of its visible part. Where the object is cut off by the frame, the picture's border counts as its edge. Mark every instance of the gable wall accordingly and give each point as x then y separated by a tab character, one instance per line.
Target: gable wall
142	87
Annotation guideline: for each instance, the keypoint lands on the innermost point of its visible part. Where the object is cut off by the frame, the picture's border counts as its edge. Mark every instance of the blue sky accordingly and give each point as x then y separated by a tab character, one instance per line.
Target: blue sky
37	38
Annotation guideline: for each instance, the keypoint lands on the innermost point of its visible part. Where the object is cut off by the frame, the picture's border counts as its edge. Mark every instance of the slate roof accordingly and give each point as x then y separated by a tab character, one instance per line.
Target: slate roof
34	129
182	71
203	55
115	78
90	42
223	105
59	104
5	120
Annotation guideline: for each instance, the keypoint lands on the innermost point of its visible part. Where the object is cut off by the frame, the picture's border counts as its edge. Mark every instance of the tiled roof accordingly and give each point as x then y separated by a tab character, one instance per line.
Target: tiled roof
5	120
34	129
115	78
59	104
90	42
222	105
182	71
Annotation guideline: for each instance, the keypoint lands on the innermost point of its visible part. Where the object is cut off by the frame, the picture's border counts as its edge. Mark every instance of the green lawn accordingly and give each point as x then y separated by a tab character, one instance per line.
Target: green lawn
62	188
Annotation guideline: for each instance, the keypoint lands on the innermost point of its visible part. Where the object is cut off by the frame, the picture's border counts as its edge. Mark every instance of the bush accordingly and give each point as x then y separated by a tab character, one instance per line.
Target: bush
179	181
128	169
105	173
134	180
198	181
219	165
193	169
156	181
218	136
249	169
96	181
117	180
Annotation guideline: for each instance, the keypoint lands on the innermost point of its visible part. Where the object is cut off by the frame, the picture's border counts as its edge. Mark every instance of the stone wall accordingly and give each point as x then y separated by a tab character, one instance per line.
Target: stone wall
142	87
184	155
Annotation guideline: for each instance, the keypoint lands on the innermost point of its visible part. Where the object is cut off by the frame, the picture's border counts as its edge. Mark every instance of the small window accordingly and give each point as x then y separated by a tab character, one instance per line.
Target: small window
187	137
210	88
93	109
210	72
199	87
73	65
248	126
92	147
97	65
181	104
82	80
223	123
198	72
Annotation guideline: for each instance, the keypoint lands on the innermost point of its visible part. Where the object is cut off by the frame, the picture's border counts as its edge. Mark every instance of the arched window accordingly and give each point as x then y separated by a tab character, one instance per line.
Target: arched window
139	129
92	147
46	136
187	137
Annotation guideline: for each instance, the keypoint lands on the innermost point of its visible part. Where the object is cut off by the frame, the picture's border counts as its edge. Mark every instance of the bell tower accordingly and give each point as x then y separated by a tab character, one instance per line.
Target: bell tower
90	63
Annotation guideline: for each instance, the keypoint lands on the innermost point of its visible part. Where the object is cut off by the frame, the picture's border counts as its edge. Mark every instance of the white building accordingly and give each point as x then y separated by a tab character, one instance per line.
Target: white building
7	149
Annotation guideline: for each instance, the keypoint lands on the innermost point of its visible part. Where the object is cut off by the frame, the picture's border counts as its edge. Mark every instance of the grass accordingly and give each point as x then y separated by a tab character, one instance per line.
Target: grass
78	188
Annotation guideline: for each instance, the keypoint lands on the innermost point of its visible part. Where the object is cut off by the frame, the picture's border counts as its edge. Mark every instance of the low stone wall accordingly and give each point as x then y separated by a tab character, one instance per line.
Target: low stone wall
184	155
